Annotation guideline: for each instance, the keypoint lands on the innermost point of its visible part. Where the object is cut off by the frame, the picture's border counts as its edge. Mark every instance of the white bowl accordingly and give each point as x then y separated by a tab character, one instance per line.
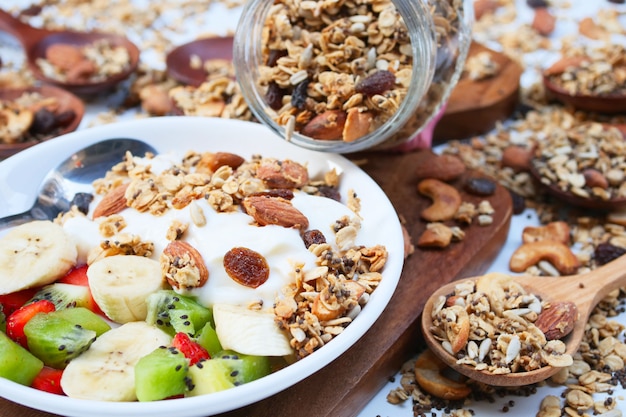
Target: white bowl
24	171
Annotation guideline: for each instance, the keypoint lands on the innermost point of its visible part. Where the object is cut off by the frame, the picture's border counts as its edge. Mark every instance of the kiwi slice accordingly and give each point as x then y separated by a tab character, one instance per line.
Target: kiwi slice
207	338
172	313
206	377
64	295
84	318
161	374
244	368
16	363
55	340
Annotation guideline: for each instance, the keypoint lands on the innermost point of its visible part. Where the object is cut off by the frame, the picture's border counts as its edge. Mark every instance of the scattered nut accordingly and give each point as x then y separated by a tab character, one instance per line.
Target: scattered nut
558	231
436	235
444	167
446	200
557	320
558	254
112	203
429	375
183	266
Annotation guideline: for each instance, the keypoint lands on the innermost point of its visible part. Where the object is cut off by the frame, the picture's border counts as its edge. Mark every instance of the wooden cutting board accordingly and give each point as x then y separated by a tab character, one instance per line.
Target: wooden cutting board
475	106
345	386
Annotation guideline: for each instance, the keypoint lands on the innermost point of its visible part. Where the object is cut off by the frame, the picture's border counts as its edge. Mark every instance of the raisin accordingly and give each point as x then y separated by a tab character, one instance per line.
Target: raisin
64	118
480	186
246	267
376	83
606	252
519	202
313	237
617	1
299	95
43	122
274	96
82	201
274	55
329	192
537	3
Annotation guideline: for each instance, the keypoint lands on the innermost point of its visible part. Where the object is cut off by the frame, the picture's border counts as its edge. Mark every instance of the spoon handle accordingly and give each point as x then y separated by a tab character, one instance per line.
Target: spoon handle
26	34
16	219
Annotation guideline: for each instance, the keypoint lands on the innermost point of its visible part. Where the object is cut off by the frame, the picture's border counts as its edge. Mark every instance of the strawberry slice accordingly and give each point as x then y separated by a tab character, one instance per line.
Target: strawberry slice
78	276
13	301
49	380
18	319
190	348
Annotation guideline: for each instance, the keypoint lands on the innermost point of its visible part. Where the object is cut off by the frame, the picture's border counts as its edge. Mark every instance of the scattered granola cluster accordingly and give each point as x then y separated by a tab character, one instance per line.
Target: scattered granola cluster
31	117
80	64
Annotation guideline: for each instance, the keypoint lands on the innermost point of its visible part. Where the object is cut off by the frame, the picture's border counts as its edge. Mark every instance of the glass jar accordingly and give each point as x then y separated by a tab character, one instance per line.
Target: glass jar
344	76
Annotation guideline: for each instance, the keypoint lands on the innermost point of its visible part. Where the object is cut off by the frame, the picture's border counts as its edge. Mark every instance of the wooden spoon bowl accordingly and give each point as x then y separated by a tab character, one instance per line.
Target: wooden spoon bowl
36	41
178	60
584	290
65	100
607	104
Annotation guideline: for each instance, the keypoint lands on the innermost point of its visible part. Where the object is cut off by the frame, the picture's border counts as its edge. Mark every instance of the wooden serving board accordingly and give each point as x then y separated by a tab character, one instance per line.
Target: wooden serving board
475	106
345	386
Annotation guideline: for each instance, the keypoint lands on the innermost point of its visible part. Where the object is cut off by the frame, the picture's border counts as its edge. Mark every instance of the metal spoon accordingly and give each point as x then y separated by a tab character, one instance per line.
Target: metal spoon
35	42
584	290
75	175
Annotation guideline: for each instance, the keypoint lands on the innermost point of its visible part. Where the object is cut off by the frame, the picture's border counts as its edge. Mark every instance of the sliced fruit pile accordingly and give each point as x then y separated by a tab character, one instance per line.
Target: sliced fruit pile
100	333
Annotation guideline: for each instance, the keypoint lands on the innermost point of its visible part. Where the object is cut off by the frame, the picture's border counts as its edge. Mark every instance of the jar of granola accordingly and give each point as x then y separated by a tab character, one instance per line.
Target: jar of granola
348	75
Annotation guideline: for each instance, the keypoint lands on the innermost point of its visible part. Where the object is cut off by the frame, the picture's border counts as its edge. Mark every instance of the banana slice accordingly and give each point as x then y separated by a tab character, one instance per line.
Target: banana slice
250	332
106	371
34	254
120	284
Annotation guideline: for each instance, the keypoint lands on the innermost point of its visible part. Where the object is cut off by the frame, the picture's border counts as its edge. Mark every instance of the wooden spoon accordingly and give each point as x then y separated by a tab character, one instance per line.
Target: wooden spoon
65	101
584	290
608	104
593	203
35	41
178	60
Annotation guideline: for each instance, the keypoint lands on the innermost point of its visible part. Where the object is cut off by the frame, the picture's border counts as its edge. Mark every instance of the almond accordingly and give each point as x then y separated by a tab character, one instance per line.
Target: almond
358	124
564	63
183	266
112	203
557	320
326	126
282	174
517	158
440	167
210	162
277	211
543	21
594	178
64	56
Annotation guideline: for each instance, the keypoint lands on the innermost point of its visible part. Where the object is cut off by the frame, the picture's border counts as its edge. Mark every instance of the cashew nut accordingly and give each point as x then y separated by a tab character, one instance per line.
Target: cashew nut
558	231
436	235
557	253
429	375
446	200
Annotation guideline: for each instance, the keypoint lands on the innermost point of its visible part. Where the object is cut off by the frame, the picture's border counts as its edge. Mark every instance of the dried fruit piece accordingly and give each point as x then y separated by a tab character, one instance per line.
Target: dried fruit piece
376	83
480	186
313	237
605	252
557	320
247	267
274	96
